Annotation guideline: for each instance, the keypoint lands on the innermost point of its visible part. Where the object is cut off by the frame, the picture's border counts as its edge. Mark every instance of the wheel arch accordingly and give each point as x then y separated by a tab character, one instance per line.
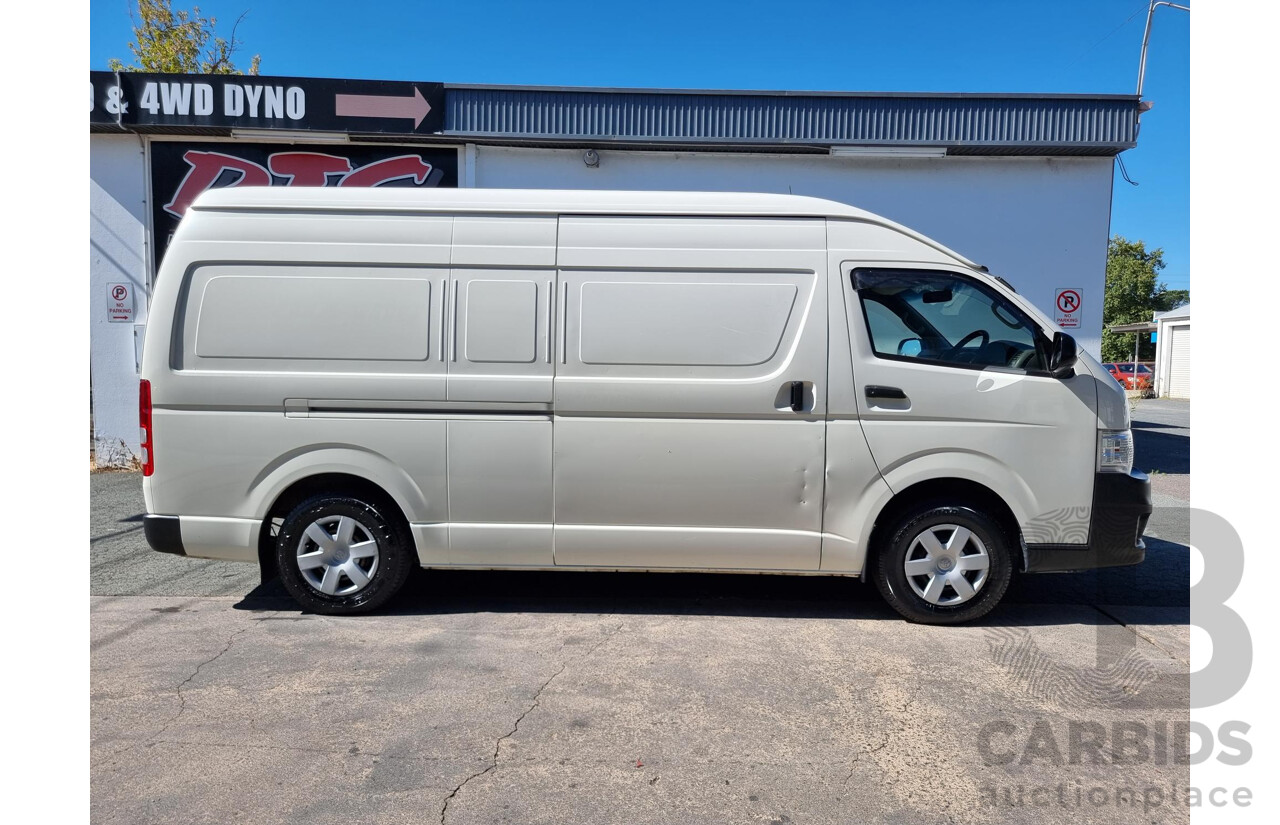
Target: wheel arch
952	490
301	489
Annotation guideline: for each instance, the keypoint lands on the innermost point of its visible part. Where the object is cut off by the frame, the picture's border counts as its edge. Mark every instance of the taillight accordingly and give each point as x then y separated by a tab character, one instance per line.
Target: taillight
144	420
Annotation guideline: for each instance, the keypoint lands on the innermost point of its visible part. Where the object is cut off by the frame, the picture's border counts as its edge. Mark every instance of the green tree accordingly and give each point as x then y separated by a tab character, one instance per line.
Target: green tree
181	42
1133	294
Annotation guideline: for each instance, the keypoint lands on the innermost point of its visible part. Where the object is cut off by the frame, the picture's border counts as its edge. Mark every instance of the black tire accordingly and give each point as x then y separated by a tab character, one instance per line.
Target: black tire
896	586
386	571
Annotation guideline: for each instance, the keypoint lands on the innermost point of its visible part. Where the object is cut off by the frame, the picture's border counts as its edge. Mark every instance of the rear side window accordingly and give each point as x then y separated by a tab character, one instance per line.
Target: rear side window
945	318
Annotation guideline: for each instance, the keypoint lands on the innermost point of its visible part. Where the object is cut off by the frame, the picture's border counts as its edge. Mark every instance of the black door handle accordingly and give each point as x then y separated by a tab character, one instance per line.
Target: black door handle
875	391
797	396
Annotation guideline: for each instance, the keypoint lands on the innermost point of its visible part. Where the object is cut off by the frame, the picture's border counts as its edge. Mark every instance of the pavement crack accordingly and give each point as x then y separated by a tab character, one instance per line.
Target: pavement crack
497	745
182	699
854	764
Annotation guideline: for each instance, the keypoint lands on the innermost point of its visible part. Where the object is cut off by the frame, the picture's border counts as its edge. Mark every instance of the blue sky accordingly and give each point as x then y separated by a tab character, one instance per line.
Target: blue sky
1085	46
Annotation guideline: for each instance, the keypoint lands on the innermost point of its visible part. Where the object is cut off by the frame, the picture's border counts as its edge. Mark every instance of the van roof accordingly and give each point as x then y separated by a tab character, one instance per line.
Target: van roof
543	201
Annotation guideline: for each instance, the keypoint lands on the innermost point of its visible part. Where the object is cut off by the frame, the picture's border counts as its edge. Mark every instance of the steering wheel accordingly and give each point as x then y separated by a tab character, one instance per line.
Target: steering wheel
977	333
1023	358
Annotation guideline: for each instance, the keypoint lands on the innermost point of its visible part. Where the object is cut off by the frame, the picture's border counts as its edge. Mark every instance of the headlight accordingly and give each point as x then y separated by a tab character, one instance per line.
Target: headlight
1115	451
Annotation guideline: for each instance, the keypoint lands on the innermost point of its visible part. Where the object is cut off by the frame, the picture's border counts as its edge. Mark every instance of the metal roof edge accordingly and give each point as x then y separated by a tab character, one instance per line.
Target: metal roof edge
622	90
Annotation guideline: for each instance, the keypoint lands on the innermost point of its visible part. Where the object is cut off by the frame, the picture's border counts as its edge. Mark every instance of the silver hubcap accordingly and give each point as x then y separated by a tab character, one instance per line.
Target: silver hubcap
337	556
947	564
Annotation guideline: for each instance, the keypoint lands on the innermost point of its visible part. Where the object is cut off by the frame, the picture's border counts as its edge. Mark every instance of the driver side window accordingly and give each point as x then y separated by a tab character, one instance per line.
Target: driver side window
944	318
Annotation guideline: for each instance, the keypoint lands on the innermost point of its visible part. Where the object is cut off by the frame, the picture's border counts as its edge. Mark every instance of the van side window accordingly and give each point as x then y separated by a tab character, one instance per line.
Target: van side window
944	318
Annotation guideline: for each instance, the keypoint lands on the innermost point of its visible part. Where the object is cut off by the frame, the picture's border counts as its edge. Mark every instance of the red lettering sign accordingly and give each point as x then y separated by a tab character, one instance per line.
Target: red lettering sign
289	169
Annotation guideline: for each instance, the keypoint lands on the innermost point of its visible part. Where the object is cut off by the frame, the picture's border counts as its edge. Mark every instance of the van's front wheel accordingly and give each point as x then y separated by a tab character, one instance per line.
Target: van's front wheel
338	555
944	564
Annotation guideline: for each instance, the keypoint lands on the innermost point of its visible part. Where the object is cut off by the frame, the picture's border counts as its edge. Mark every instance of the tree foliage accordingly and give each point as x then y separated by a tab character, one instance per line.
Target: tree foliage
1133	294
181	42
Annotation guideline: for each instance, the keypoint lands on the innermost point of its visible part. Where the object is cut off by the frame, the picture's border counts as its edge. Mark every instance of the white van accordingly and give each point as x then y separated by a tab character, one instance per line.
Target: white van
342	384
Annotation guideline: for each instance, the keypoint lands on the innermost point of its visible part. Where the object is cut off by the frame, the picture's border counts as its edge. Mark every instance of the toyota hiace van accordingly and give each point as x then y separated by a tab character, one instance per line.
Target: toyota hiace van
343	384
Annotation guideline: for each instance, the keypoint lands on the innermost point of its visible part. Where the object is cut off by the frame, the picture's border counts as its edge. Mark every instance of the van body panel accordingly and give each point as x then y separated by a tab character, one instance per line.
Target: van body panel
501	546
944	463
236	464
670	242
739	325
855	491
884	242
227	539
415	478
610	547
1112	406
684	341
504	241
432	543
499	309
310	236
499	340
247	336
710	474
306	318
500	496
855	495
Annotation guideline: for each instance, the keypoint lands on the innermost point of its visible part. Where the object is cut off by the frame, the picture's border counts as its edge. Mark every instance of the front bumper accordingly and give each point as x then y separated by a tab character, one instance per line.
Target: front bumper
1121	508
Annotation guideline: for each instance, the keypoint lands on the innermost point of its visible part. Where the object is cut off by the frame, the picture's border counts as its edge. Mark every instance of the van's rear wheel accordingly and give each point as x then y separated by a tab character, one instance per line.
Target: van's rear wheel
944	564
340	555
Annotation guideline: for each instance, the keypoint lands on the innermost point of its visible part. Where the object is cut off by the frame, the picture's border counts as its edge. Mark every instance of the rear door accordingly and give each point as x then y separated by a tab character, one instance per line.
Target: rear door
689	392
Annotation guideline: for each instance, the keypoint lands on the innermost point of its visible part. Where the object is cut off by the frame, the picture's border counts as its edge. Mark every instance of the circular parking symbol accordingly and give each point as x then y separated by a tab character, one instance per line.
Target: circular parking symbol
1068	300
119	292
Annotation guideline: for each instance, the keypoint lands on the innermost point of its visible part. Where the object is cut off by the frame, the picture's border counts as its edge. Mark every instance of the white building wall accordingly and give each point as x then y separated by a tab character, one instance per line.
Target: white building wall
1041	223
117	254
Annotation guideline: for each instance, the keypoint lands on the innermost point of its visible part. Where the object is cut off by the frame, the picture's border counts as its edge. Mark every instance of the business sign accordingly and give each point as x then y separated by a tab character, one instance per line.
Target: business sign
1068	303
180	171
220	101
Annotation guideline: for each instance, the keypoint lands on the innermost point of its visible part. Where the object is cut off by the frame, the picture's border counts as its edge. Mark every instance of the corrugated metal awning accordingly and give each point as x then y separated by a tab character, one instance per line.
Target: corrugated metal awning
971	124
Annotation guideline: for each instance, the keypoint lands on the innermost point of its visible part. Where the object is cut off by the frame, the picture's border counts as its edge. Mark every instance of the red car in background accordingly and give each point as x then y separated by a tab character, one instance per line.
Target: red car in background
1123	373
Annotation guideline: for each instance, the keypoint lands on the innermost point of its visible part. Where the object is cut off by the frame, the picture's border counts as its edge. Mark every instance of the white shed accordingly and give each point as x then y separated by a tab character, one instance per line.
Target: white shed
1173	353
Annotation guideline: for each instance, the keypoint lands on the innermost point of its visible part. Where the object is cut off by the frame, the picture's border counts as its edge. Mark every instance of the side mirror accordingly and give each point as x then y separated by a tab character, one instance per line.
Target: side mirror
910	347
1062	355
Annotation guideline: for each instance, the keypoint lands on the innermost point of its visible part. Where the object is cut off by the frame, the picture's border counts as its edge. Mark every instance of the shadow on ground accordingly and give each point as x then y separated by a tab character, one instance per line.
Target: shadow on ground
1160	451
1160	581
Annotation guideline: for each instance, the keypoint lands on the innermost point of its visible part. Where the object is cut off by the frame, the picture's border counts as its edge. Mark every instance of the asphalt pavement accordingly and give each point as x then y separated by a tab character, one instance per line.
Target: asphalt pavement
631	698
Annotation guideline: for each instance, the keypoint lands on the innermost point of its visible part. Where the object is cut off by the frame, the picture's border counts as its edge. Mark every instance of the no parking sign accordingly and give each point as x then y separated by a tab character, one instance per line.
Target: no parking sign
1067	305
119	302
